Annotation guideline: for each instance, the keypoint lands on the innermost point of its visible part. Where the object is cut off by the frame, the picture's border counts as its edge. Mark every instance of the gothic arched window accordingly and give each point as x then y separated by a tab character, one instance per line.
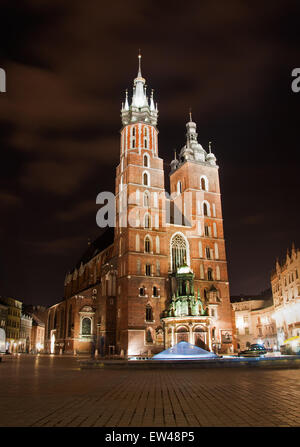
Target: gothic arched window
146	161
149	338
205	211
146	137
149	314
147	245
133	136
146	199
147	221
146	179
178	251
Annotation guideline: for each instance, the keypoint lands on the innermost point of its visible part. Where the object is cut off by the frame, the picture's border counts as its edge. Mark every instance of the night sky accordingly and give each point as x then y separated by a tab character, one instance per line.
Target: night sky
68	64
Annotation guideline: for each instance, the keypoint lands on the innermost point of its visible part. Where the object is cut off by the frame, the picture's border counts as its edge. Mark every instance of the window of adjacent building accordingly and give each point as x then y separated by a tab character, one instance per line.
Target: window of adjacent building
138	266
206	230
205	211
203	185
142	291
148	269
147	245
209	274
86	326
155	291
207	252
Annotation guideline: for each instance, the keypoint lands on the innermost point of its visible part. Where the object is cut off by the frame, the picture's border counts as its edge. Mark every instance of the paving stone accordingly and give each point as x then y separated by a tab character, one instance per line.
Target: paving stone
55	392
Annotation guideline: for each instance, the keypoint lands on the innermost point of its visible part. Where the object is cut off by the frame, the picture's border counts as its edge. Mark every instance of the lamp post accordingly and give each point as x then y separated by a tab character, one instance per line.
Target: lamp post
97	339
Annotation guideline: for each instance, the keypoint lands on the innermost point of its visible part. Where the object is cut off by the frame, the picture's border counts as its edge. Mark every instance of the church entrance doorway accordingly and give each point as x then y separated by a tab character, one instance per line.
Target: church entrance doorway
200	338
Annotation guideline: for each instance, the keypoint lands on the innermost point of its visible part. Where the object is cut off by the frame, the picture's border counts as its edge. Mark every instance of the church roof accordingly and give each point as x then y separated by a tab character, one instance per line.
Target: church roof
184	351
104	240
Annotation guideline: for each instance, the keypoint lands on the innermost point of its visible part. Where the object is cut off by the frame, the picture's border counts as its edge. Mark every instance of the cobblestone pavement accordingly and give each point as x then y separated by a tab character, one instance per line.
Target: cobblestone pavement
53	391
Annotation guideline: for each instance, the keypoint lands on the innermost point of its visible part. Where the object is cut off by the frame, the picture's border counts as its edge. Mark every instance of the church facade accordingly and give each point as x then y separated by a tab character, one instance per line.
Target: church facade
160	275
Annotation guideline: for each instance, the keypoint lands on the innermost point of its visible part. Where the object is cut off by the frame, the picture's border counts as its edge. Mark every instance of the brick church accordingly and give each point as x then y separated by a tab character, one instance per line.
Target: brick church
159	275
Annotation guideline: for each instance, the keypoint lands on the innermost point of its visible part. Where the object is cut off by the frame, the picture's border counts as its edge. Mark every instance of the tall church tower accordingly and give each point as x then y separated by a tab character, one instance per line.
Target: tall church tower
139	233
172	282
194	183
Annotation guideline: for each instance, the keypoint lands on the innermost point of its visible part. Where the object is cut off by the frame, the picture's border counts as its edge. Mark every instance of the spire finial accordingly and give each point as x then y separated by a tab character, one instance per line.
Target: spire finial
175	154
139	57
209	146
190	113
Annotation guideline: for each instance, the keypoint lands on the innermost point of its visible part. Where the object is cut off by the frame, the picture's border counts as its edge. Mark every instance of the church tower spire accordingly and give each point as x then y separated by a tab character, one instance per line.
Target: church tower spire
139	110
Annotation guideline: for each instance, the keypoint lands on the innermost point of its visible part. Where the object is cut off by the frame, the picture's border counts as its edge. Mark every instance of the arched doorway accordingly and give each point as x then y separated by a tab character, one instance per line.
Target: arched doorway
182	334
200	337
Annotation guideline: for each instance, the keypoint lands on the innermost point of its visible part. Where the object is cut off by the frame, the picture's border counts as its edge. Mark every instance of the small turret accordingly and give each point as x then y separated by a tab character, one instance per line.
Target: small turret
174	162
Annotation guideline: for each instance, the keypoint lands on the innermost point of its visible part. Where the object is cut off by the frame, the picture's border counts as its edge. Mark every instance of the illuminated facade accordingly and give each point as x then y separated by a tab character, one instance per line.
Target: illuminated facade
13	323
24	343
163	277
255	323
276	322
286	295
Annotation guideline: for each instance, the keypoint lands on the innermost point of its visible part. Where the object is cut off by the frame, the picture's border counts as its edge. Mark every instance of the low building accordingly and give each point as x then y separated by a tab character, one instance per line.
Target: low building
264	326
38	314
254	322
24	343
37	335
3	321
13	323
285	283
